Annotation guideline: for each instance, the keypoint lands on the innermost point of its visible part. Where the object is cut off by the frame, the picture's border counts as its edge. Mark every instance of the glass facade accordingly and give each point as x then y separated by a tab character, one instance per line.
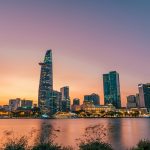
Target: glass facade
46	82
53	101
144	95
65	99
92	98
131	101
111	87
76	101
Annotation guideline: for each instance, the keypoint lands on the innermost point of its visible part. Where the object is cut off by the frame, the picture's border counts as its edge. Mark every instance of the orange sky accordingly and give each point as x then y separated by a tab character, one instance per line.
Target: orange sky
20	79
88	39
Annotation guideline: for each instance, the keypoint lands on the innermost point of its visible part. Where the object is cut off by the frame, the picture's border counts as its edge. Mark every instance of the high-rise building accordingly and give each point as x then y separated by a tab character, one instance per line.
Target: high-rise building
111	86
46	83
65	98
92	98
144	95
57	101
26	103
54	101
131	101
65	93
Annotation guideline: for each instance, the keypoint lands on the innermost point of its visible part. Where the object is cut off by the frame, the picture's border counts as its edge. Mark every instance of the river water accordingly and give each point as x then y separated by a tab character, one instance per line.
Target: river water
122	133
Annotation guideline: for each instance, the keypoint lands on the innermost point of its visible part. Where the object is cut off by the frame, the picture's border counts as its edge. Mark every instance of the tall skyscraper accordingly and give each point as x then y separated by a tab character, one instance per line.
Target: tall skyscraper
92	98
111	86
46	82
144	95
65	98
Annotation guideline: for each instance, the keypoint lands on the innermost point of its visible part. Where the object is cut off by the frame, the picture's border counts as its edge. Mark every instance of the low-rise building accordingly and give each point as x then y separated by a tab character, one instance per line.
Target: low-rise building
131	101
76	105
14	104
26	103
75	108
90	107
6	107
92	98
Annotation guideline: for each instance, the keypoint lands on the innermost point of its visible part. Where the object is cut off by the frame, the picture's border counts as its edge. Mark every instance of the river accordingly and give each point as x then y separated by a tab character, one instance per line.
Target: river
122	133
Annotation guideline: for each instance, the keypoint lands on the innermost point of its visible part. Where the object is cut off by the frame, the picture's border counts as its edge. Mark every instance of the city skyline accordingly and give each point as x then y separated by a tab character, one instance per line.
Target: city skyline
115	38
48	98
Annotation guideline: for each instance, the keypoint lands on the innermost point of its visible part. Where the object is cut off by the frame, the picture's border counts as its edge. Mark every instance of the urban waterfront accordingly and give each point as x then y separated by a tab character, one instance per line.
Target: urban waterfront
74	75
125	133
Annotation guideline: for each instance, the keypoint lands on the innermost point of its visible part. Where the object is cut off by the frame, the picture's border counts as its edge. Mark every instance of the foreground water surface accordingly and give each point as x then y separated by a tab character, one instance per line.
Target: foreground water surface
124	133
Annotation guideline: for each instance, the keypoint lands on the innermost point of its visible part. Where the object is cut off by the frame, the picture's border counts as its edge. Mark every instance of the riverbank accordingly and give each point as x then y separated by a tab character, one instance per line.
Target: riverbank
124	133
89	143
70	117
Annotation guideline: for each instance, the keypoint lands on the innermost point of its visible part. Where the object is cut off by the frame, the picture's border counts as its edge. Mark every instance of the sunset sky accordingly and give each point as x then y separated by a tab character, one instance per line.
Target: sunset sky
88	38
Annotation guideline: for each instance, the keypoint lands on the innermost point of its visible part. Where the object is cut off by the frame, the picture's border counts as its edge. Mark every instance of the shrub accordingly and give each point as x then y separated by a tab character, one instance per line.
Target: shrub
45	138
46	146
142	145
95	145
16	144
93	139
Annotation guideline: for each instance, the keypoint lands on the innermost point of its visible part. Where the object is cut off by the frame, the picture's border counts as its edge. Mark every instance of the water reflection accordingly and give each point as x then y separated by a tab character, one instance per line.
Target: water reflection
121	133
134	130
45	133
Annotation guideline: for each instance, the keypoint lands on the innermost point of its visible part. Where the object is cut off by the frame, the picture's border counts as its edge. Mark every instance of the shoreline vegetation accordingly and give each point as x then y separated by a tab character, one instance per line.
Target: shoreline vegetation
94	138
21	144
